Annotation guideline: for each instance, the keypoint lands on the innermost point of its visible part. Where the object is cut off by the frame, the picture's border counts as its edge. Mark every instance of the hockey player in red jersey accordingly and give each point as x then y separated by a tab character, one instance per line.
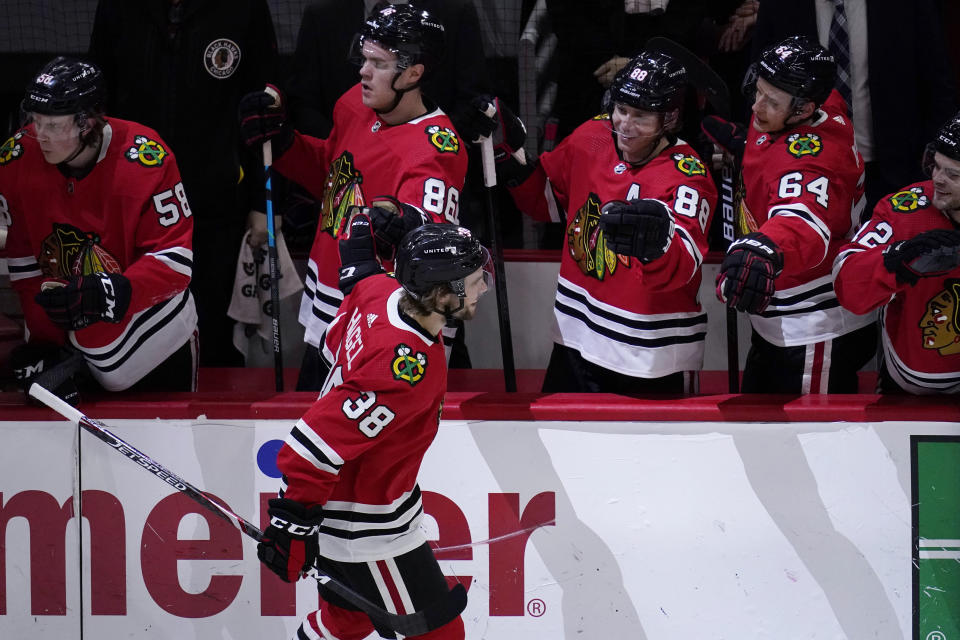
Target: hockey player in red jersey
906	261
99	246
800	196
349	492
637	202
387	139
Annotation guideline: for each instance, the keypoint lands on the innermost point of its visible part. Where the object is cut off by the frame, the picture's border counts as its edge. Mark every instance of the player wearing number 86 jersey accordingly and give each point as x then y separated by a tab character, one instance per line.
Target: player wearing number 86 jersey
93	199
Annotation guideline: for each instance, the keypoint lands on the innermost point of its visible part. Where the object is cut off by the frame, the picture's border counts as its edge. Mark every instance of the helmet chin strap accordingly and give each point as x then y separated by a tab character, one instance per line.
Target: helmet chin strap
397	93
86	138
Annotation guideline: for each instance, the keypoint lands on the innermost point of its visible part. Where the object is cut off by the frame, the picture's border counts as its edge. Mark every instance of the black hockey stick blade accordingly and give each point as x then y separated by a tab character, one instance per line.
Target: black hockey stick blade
413	624
699	73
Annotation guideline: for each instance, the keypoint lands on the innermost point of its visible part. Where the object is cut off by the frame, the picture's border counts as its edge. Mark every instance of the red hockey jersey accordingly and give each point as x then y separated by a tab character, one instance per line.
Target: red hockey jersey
129	215
920	325
358	449
642	320
421	162
803	188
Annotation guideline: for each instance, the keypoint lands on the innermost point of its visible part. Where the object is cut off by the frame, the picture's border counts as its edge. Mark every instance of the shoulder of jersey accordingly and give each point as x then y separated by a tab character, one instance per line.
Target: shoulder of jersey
685	160
14	148
140	145
910	199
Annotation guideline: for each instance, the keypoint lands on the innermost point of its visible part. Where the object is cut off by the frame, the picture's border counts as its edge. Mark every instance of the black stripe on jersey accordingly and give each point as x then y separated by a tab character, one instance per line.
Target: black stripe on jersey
302	438
631	323
27	268
373	518
815	222
301	634
639	342
800	297
176	257
131	349
820	306
369	533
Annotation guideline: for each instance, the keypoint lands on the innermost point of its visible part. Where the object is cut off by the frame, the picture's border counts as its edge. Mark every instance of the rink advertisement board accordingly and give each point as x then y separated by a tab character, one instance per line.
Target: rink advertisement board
936	525
561	530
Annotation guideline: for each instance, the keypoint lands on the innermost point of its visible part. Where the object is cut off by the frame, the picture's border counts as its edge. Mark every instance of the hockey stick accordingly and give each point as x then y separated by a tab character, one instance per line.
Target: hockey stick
717	93
413	624
503	309
272	256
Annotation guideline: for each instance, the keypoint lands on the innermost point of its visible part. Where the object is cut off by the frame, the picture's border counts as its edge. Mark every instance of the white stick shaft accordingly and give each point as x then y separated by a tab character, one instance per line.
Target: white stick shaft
55	403
489	168
267	154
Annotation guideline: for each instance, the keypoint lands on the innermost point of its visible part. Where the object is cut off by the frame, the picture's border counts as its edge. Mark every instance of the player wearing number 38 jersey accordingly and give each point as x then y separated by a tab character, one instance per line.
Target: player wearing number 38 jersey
387	139
100	238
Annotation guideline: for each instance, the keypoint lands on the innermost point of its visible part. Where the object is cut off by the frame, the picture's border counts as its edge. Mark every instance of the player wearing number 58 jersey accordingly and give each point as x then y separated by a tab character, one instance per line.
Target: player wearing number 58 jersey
100	237
387	139
636	202
906	262
801	197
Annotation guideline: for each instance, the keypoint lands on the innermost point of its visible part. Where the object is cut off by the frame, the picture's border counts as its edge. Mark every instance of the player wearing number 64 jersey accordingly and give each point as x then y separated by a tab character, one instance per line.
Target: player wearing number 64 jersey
100	236
636	202
387	140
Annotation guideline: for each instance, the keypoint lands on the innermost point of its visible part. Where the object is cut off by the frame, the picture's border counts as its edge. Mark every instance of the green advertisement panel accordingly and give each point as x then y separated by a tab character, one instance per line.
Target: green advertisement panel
936	537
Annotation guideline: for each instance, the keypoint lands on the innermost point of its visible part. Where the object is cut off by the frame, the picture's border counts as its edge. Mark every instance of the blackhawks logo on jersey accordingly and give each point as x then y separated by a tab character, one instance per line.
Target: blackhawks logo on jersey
586	243
68	251
804	144
11	149
602	116
745	221
444	139
940	325
909	200
689	165
408	366
149	153
340	192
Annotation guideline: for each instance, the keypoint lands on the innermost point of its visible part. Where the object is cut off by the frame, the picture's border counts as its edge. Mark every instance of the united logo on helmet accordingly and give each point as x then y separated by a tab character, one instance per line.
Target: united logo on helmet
66	86
443	138
804	144
408	366
11	149
909	200
147	152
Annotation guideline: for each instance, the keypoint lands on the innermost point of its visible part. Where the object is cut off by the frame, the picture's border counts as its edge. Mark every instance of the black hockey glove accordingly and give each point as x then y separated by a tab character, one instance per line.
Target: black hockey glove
52	367
391	221
729	136
748	271
639	228
264	117
931	253
358	257
289	545
84	300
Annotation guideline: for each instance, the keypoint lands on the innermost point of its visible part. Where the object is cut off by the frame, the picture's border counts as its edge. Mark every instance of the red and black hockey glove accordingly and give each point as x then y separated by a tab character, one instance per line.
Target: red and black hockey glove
264	117
931	253
83	300
639	228
508	134
289	545
391	221
358	256
729	136
748	271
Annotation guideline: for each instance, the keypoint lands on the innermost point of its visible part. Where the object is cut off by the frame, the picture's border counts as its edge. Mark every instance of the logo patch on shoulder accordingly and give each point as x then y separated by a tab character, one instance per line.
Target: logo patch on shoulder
408	366
909	200
444	139
221	58
689	165
147	152
804	144
11	149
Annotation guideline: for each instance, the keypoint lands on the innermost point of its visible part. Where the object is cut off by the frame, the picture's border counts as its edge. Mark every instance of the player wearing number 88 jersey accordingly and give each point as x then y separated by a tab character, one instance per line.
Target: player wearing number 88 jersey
100	237
636	201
